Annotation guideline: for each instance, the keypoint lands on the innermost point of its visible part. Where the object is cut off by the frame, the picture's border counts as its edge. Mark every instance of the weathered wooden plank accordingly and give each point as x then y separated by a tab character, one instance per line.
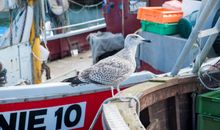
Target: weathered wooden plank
177	111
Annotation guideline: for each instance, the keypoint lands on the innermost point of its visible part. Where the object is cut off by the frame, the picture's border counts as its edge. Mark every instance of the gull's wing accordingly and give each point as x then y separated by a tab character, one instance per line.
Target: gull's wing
111	70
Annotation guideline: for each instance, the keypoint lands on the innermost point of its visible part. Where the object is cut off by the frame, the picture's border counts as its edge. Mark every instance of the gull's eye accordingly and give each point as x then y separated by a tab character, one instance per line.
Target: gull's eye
135	36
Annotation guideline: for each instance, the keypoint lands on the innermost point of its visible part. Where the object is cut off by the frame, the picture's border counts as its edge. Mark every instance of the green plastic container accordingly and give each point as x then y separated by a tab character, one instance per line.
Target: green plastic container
205	122
209	103
158	28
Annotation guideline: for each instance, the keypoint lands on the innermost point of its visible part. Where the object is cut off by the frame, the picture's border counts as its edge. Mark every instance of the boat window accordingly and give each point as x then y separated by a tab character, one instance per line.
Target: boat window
4	28
6	18
135	4
4	22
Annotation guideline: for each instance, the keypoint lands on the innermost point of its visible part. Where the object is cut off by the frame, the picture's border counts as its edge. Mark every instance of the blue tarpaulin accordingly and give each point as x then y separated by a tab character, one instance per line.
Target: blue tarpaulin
3	30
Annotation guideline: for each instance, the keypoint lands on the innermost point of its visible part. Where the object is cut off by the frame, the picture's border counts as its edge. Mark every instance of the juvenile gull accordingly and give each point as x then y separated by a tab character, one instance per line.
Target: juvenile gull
112	70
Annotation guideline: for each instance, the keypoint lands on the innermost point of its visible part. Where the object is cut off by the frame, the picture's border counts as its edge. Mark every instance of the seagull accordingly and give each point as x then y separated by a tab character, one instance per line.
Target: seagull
114	69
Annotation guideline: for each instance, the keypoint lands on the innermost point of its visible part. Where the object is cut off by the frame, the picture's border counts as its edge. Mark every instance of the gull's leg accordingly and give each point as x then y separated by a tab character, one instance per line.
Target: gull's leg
112	89
119	92
117	87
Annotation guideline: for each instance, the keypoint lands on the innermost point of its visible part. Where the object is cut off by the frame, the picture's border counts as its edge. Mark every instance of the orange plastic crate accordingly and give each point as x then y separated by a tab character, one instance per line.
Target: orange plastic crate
159	14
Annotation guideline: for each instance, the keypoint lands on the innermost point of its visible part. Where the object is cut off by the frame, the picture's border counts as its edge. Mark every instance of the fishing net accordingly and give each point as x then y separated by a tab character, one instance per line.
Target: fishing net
209	76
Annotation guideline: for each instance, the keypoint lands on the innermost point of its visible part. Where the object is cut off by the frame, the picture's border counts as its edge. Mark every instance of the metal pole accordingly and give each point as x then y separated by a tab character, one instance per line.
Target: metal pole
43	19
193	36
78	24
208	45
11	27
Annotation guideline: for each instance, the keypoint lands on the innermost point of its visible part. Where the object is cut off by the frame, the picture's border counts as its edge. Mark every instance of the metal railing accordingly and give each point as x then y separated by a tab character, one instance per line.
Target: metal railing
78	24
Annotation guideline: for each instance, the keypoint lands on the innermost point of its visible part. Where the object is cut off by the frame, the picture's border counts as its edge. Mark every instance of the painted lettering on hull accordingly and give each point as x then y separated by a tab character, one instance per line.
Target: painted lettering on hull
51	118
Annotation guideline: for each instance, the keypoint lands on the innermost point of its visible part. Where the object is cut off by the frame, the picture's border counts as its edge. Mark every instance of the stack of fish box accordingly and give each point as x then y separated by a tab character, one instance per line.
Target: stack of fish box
208	111
159	20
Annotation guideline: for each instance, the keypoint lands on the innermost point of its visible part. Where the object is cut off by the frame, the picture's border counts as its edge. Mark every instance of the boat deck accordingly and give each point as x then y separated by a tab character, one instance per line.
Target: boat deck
68	66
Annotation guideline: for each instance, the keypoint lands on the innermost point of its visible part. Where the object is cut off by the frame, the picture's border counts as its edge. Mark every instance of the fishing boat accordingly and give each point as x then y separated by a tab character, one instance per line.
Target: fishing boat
70	28
27	103
69	106
98	16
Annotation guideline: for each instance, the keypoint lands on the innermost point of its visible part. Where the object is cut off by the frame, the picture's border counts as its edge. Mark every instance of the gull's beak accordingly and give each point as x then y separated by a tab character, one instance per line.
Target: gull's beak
145	40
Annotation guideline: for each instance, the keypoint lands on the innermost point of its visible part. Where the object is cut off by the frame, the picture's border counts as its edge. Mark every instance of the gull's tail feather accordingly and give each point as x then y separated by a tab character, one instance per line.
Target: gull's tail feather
73	80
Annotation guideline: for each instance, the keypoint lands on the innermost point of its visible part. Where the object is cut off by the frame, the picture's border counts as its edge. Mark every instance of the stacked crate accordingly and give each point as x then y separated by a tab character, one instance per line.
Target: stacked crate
208	110
159	20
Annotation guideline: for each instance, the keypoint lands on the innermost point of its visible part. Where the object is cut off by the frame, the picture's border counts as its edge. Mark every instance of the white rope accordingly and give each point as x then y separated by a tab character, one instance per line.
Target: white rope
78	11
85	6
38	58
74	2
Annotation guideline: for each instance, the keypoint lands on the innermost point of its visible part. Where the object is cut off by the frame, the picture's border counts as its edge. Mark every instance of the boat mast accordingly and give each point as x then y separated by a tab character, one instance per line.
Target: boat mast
35	43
